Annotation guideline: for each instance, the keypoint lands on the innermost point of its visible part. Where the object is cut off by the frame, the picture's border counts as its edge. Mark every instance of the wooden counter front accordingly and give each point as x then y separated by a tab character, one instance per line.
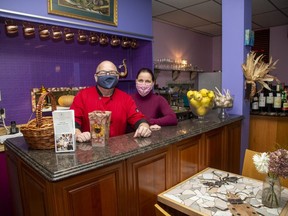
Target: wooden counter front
126	183
266	131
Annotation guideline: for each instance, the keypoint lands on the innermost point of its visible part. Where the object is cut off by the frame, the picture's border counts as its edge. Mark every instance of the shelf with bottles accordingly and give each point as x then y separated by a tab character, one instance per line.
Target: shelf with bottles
176	67
272	102
175	73
176	93
166	64
180	70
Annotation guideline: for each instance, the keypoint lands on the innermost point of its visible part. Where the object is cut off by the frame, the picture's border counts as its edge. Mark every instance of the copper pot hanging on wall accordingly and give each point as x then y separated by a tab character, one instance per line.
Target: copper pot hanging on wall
44	32
68	35
11	28
115	41
103	40
28	30
56	33
93	38
134	44
125	43
82	37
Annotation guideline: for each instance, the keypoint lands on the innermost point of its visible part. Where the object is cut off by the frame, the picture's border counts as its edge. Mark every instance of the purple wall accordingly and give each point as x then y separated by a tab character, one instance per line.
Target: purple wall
30	63
240	12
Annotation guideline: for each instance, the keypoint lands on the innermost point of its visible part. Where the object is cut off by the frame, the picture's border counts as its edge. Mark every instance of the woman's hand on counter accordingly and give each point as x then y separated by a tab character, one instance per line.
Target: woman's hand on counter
155	127
143	130
82	137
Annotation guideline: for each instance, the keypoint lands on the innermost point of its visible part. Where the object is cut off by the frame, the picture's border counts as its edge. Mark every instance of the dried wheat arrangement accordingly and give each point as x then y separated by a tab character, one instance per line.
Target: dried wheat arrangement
256	71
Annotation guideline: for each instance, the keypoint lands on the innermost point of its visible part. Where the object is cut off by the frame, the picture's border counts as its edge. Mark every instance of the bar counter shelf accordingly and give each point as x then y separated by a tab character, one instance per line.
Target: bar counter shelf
125	176
280	114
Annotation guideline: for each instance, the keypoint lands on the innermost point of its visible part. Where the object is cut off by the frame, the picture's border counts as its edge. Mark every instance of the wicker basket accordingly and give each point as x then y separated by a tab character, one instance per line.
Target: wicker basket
39	132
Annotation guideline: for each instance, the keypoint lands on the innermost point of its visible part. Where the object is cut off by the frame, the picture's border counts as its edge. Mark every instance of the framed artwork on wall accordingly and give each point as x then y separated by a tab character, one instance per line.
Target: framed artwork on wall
100	11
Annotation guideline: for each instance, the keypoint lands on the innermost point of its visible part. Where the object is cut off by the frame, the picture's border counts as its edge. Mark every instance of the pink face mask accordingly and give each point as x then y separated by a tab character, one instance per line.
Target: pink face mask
144	89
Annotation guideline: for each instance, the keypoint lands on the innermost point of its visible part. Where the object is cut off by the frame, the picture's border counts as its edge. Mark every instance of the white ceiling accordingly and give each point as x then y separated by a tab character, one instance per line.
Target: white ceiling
205	16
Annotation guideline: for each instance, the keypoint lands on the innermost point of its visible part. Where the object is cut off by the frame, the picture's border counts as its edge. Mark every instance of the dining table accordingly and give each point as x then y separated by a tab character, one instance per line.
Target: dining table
220	193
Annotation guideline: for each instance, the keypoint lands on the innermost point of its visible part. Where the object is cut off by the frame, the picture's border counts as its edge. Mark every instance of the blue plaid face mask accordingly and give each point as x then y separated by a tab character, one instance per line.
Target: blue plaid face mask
107	81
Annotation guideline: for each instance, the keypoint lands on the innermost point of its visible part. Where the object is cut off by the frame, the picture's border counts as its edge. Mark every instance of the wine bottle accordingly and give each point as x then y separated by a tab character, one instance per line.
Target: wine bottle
277	100
284	102
262	102
270	100
255	104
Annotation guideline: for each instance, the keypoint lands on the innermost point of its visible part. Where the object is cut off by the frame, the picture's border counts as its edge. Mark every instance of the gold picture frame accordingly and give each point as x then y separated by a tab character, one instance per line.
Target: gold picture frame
100	11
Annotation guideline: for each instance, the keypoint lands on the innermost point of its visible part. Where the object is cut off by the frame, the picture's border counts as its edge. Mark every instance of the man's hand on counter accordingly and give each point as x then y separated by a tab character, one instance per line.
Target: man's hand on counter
143	130
82	137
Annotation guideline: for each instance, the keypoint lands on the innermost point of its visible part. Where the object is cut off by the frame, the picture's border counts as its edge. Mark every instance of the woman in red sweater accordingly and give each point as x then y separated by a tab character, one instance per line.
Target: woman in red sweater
155	107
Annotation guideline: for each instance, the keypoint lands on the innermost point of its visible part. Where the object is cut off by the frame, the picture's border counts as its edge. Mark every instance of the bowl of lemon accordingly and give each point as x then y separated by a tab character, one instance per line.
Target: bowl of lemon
201	102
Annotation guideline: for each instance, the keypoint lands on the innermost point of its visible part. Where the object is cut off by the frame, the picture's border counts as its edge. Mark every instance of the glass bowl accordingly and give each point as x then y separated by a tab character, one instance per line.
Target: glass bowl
224	103
201	109
201	102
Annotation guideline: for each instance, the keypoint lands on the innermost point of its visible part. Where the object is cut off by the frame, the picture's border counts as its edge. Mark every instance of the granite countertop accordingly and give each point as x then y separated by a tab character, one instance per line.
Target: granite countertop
58	166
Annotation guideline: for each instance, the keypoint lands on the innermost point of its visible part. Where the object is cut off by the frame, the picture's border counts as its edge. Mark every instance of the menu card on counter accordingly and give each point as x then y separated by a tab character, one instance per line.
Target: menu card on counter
64	130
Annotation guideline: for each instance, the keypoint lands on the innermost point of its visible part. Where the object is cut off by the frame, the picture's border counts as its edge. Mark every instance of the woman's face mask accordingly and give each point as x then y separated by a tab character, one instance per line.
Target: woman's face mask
144	88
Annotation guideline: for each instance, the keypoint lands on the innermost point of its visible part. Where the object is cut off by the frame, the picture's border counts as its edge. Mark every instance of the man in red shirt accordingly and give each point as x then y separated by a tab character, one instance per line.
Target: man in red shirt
104	96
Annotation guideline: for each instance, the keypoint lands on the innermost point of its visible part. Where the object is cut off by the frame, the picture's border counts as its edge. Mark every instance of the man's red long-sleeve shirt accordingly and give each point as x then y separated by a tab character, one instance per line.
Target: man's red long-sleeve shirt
122	106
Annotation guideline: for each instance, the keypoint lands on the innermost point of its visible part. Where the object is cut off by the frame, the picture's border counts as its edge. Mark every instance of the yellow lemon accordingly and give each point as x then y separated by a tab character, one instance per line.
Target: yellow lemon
211	94
203	92
201	111
190	93
195	103
205	101
197	96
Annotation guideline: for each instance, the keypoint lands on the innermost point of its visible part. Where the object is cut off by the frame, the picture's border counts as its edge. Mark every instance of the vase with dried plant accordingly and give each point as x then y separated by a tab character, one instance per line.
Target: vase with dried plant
275	165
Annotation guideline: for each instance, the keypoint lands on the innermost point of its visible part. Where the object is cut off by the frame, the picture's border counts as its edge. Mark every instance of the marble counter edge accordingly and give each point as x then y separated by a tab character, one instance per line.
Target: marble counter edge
65	173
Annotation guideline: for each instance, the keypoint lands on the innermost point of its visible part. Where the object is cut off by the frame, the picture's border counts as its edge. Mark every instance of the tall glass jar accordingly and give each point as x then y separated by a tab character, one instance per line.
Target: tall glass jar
271	193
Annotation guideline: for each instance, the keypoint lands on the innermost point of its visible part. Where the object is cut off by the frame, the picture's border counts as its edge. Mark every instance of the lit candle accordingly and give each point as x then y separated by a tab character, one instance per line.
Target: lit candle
184	62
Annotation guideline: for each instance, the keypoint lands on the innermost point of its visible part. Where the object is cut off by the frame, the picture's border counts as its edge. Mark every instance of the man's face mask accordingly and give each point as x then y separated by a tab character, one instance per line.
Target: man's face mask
107	79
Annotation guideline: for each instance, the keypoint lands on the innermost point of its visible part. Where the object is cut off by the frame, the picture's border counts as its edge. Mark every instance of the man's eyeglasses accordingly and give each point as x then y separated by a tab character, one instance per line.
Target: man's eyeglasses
104	73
